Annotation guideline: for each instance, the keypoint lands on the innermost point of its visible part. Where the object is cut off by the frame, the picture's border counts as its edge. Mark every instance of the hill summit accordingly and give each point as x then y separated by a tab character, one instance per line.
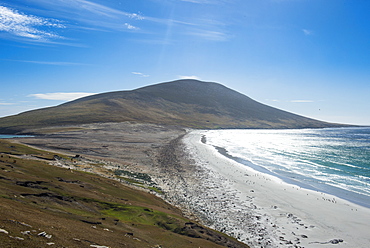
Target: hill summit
187	103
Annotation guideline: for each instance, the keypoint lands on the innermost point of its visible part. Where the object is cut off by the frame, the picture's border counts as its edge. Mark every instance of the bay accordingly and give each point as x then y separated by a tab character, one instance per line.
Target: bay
334	161
10	136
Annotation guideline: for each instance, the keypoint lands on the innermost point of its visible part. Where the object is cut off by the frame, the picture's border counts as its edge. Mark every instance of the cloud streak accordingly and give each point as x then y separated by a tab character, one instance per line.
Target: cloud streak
131	27
61	96
56	63
209	35
28	26
78	14
206	1
196	1
299	101
307	32
97	9
139	74
93	14
89	15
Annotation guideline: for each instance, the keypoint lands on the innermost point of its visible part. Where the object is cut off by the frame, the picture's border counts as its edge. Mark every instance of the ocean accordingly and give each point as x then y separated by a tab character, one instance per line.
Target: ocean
331	160
9	136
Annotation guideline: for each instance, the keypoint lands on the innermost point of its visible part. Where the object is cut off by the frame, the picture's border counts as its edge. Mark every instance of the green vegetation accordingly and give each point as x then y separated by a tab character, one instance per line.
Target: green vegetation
19	149
158	190
141	176
129	180
80	209
142	180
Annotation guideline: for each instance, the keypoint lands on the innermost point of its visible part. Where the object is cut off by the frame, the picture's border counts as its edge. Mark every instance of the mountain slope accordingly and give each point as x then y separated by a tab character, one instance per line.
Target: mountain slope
42	205
188	103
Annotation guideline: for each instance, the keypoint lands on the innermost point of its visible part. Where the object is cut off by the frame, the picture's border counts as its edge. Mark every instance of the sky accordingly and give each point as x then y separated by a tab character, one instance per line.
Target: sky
309	57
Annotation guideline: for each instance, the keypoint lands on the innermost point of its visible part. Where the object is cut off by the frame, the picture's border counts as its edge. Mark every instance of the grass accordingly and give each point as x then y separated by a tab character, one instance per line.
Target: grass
129	180
80	209
9	148
141	184
141	176
19	149
158	190
134	214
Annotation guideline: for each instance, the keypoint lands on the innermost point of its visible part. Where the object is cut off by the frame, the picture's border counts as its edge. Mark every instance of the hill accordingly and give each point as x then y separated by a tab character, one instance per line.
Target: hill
43	205
187	103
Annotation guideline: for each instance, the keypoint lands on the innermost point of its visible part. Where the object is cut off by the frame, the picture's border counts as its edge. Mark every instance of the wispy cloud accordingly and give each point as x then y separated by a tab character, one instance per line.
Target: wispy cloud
28	26
6	103
189	77
56	63
131	27
61	96
209	35
97	9
139	74
89	15
307	32
78	14
196	1
206	1
92	14
301	101
200	28
211	27
84	6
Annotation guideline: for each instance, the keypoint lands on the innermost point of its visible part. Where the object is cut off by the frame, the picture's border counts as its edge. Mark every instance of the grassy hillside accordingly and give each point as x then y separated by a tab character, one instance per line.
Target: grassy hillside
42	205
188	103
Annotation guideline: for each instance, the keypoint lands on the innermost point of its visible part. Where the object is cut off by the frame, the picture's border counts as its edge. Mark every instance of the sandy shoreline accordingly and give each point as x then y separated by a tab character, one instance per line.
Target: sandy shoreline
262	210
256	208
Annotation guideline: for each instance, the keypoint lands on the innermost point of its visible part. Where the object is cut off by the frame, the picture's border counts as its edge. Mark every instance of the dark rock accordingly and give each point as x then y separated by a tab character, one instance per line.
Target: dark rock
91	222
31	184
336	241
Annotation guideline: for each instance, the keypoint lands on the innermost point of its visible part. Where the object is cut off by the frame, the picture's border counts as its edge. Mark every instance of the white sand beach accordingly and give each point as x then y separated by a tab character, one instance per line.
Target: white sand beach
256	208
264	211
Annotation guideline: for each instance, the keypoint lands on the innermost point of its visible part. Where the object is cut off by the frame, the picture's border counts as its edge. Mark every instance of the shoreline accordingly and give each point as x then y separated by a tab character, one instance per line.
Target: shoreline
265	210
352	197
256	208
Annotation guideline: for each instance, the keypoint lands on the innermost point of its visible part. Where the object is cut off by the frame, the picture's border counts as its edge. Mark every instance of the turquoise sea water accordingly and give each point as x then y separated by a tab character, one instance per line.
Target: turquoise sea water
9	136
335	161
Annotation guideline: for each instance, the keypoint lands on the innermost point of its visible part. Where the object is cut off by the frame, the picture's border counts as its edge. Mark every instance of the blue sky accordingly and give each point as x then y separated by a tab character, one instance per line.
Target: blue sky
310	57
